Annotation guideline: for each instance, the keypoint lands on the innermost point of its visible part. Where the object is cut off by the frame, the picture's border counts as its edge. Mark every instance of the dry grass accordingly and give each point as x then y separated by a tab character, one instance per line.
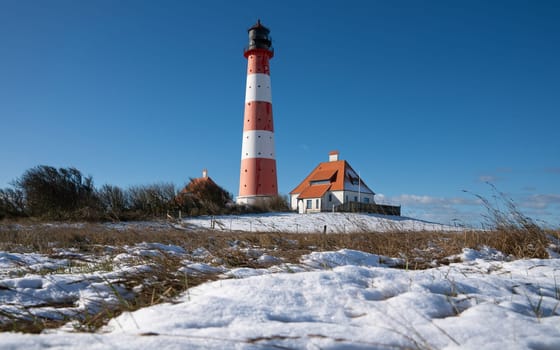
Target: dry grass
417	246
162	283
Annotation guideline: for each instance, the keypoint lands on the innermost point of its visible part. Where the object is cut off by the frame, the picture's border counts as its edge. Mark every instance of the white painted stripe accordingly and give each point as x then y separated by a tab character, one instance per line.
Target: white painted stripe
258	144
258	88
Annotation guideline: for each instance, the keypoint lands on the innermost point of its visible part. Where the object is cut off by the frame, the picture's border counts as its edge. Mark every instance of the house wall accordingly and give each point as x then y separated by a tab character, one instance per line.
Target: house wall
293	201
316	204
302	208
337	198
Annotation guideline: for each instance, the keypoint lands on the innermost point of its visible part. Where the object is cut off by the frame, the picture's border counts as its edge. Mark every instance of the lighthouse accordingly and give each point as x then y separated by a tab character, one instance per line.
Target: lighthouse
258	180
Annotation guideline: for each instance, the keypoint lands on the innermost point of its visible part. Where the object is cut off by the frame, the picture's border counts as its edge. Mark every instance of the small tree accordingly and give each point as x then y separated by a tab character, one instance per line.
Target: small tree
203	196
57	193
152	200
114	201
11	203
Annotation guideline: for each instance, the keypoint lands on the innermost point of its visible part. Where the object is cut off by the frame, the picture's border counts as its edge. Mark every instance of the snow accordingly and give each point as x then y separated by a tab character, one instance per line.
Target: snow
342	299
483	253
312	223
347	257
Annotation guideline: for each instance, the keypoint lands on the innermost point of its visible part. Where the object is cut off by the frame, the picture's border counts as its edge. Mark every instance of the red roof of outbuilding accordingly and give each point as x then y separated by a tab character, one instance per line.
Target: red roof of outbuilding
197	182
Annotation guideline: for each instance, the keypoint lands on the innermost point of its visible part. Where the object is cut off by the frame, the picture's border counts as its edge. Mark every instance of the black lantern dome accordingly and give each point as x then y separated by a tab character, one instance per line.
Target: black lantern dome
258	37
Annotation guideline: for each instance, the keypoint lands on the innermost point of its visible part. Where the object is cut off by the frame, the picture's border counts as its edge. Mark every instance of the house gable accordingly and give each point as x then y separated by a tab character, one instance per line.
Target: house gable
335	178
339	175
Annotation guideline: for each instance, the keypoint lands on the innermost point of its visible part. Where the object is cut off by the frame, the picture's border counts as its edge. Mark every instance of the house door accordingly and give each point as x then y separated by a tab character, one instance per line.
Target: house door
301	207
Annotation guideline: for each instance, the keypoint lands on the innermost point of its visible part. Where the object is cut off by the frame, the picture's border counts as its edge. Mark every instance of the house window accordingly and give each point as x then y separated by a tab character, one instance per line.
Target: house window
355	198
366	200
308	204
316	204
319	182
346	198
330	197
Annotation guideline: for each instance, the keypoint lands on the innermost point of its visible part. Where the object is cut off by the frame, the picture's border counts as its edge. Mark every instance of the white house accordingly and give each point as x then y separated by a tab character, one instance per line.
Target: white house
330	184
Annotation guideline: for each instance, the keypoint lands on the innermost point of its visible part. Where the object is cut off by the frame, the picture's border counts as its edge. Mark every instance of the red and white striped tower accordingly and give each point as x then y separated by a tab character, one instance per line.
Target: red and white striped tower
258	164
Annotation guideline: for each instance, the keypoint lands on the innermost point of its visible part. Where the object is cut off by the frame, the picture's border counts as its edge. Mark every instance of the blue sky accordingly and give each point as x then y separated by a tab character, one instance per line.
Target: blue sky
423	98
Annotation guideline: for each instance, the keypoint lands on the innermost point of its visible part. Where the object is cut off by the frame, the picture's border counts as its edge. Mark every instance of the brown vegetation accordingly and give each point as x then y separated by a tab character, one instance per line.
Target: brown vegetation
423	247
65	194
417	250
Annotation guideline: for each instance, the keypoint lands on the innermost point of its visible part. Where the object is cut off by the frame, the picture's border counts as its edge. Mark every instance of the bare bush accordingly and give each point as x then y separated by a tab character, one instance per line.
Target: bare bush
277	203
11	203
153	200
203	196
62	193
114	201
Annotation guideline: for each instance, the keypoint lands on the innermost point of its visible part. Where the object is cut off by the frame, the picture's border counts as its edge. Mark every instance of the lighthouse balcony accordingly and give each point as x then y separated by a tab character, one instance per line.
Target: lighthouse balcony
269	50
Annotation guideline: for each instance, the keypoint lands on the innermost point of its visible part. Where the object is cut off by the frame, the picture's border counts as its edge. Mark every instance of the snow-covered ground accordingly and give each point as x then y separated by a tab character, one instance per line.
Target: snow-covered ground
342	299
313	223
278	222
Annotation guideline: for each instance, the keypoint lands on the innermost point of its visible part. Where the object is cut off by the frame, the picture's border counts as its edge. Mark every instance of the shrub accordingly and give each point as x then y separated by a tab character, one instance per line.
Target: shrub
11	203
153	200
114	201
62	193
203	196
265	204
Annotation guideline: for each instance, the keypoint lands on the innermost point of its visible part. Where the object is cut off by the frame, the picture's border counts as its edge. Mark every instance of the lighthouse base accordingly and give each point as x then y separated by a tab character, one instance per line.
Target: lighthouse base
255	200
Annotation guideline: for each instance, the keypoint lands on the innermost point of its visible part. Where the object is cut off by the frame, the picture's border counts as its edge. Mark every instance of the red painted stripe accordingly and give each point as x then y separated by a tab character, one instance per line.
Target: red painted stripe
257	62
258	177
258	116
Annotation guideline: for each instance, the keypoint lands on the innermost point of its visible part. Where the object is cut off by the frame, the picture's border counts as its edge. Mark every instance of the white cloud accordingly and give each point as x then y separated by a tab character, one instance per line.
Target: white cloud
541	201
424	200
446	210
470	210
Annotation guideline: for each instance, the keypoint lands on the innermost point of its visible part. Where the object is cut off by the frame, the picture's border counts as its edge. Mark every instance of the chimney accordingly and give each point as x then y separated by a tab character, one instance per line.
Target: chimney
204	173
333	156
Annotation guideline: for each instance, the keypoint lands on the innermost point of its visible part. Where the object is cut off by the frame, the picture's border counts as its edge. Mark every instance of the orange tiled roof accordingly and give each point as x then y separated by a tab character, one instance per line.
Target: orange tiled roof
337	183
314	191
323	175
191	186
334	171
